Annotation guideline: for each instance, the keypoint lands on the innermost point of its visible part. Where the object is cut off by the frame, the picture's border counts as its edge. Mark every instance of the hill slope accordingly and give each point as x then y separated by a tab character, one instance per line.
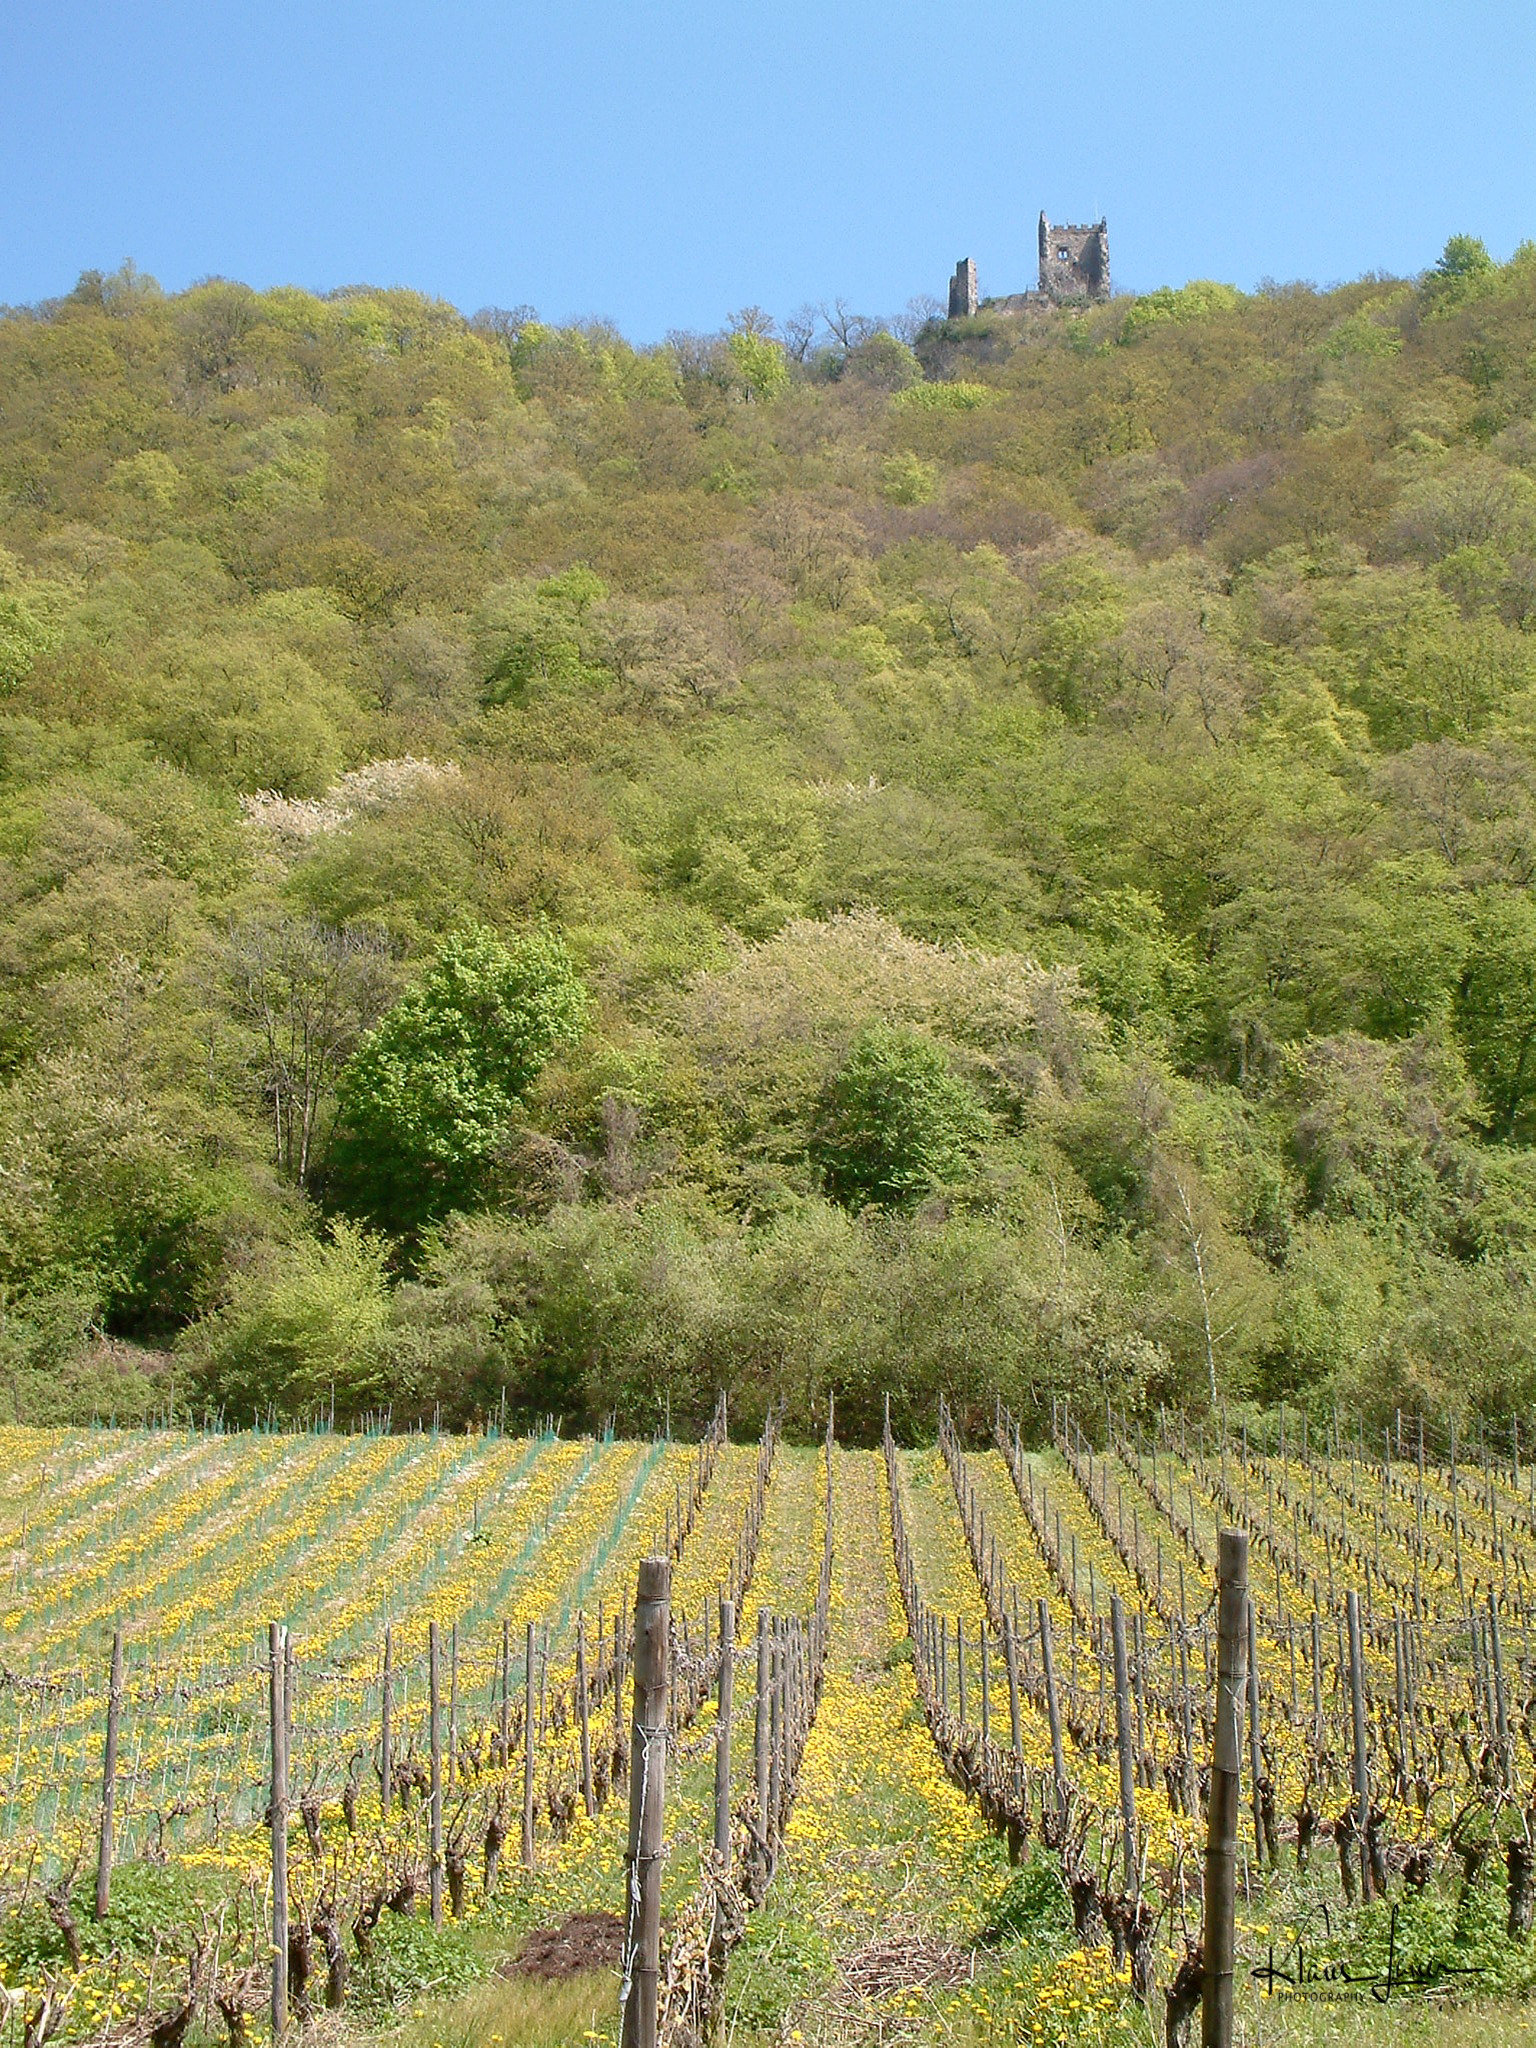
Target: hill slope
547	872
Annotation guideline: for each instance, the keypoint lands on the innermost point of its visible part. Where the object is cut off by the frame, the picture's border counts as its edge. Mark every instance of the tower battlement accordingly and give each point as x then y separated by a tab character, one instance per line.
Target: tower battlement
1074	262
1074	267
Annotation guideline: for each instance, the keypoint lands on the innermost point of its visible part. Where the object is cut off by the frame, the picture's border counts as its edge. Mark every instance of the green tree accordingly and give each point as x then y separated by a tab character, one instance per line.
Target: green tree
536	634
1496	1010
302	1332
1144	976
428	1096
895	1121
1463	270
1169	306
884	362
759	363
23	637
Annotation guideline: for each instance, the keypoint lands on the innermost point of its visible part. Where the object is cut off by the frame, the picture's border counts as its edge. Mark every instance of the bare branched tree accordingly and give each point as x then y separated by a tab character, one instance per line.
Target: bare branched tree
846	327
753	320
915	316
308	992
799	333
1196	1244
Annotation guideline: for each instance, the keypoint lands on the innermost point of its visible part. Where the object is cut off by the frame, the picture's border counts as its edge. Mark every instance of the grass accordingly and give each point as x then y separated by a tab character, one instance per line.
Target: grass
512	2012
1315	2023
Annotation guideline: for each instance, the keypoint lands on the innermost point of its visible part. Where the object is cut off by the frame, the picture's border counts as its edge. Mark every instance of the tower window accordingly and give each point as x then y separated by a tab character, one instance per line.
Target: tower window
1065	255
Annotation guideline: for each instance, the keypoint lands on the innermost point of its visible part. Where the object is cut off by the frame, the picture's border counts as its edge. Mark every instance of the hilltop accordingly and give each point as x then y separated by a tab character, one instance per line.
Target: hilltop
988	854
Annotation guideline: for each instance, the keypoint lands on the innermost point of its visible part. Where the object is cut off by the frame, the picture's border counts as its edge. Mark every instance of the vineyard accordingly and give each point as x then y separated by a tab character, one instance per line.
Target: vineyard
935	1727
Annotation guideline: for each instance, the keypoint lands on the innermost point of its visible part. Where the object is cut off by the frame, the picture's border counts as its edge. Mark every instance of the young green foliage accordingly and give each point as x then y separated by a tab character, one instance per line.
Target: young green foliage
428	1096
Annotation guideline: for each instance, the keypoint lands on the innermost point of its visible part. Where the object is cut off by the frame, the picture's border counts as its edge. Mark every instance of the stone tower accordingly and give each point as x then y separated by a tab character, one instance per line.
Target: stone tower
962	290
1074	262
1074	266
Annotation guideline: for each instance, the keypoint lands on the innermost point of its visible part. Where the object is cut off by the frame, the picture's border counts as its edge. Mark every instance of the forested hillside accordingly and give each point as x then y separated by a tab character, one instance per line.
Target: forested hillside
550	875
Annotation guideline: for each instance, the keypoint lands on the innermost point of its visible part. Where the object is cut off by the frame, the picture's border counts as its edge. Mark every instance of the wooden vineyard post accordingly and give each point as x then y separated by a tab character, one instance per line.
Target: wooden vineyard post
453	1705
1220	1933
1500	1699
435	1743
1011	1660
506	1692
1400	1689
1255	1742
109	1779
277	1644
1186	1708
1052	1705
543	1681
584	1715
723	1730
1123	1742
386	1715
1357	1719
760	1727
647	1794
776	1703
528	1749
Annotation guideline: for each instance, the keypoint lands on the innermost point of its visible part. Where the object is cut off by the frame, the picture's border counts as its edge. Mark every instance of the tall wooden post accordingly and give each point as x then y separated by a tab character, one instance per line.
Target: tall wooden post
1255	1733
1220	1936
1011	1660
506	1692
386	1717
277	1644
529	1743
584	1714
760	1726
109	1779
778	1698
1357	1716
1124	1743
453	1705
1500	1698
647	1793
1052	1705
616	1679
543	1681
723	1729
435	1740
1177	1639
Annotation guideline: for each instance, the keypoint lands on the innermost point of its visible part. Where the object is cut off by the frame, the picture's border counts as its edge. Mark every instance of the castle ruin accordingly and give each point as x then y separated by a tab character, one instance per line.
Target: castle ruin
1074	268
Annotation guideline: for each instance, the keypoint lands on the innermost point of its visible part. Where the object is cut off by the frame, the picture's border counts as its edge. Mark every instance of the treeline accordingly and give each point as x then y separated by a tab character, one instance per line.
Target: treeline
986	855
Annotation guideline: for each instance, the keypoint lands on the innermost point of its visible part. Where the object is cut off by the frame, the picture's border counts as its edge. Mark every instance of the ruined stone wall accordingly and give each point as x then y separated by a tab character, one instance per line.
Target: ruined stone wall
1074	265
1074	261
962	290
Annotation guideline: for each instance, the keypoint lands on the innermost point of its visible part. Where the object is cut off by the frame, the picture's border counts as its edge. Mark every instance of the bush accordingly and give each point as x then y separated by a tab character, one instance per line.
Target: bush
1170	307
427	1098
302	1333
956	397
895	1122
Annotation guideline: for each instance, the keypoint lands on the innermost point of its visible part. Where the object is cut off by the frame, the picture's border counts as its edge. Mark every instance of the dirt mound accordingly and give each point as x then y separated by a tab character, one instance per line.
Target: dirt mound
582	1941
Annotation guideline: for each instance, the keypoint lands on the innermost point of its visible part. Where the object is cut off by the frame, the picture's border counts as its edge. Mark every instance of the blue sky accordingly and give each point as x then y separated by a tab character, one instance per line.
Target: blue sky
665	164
